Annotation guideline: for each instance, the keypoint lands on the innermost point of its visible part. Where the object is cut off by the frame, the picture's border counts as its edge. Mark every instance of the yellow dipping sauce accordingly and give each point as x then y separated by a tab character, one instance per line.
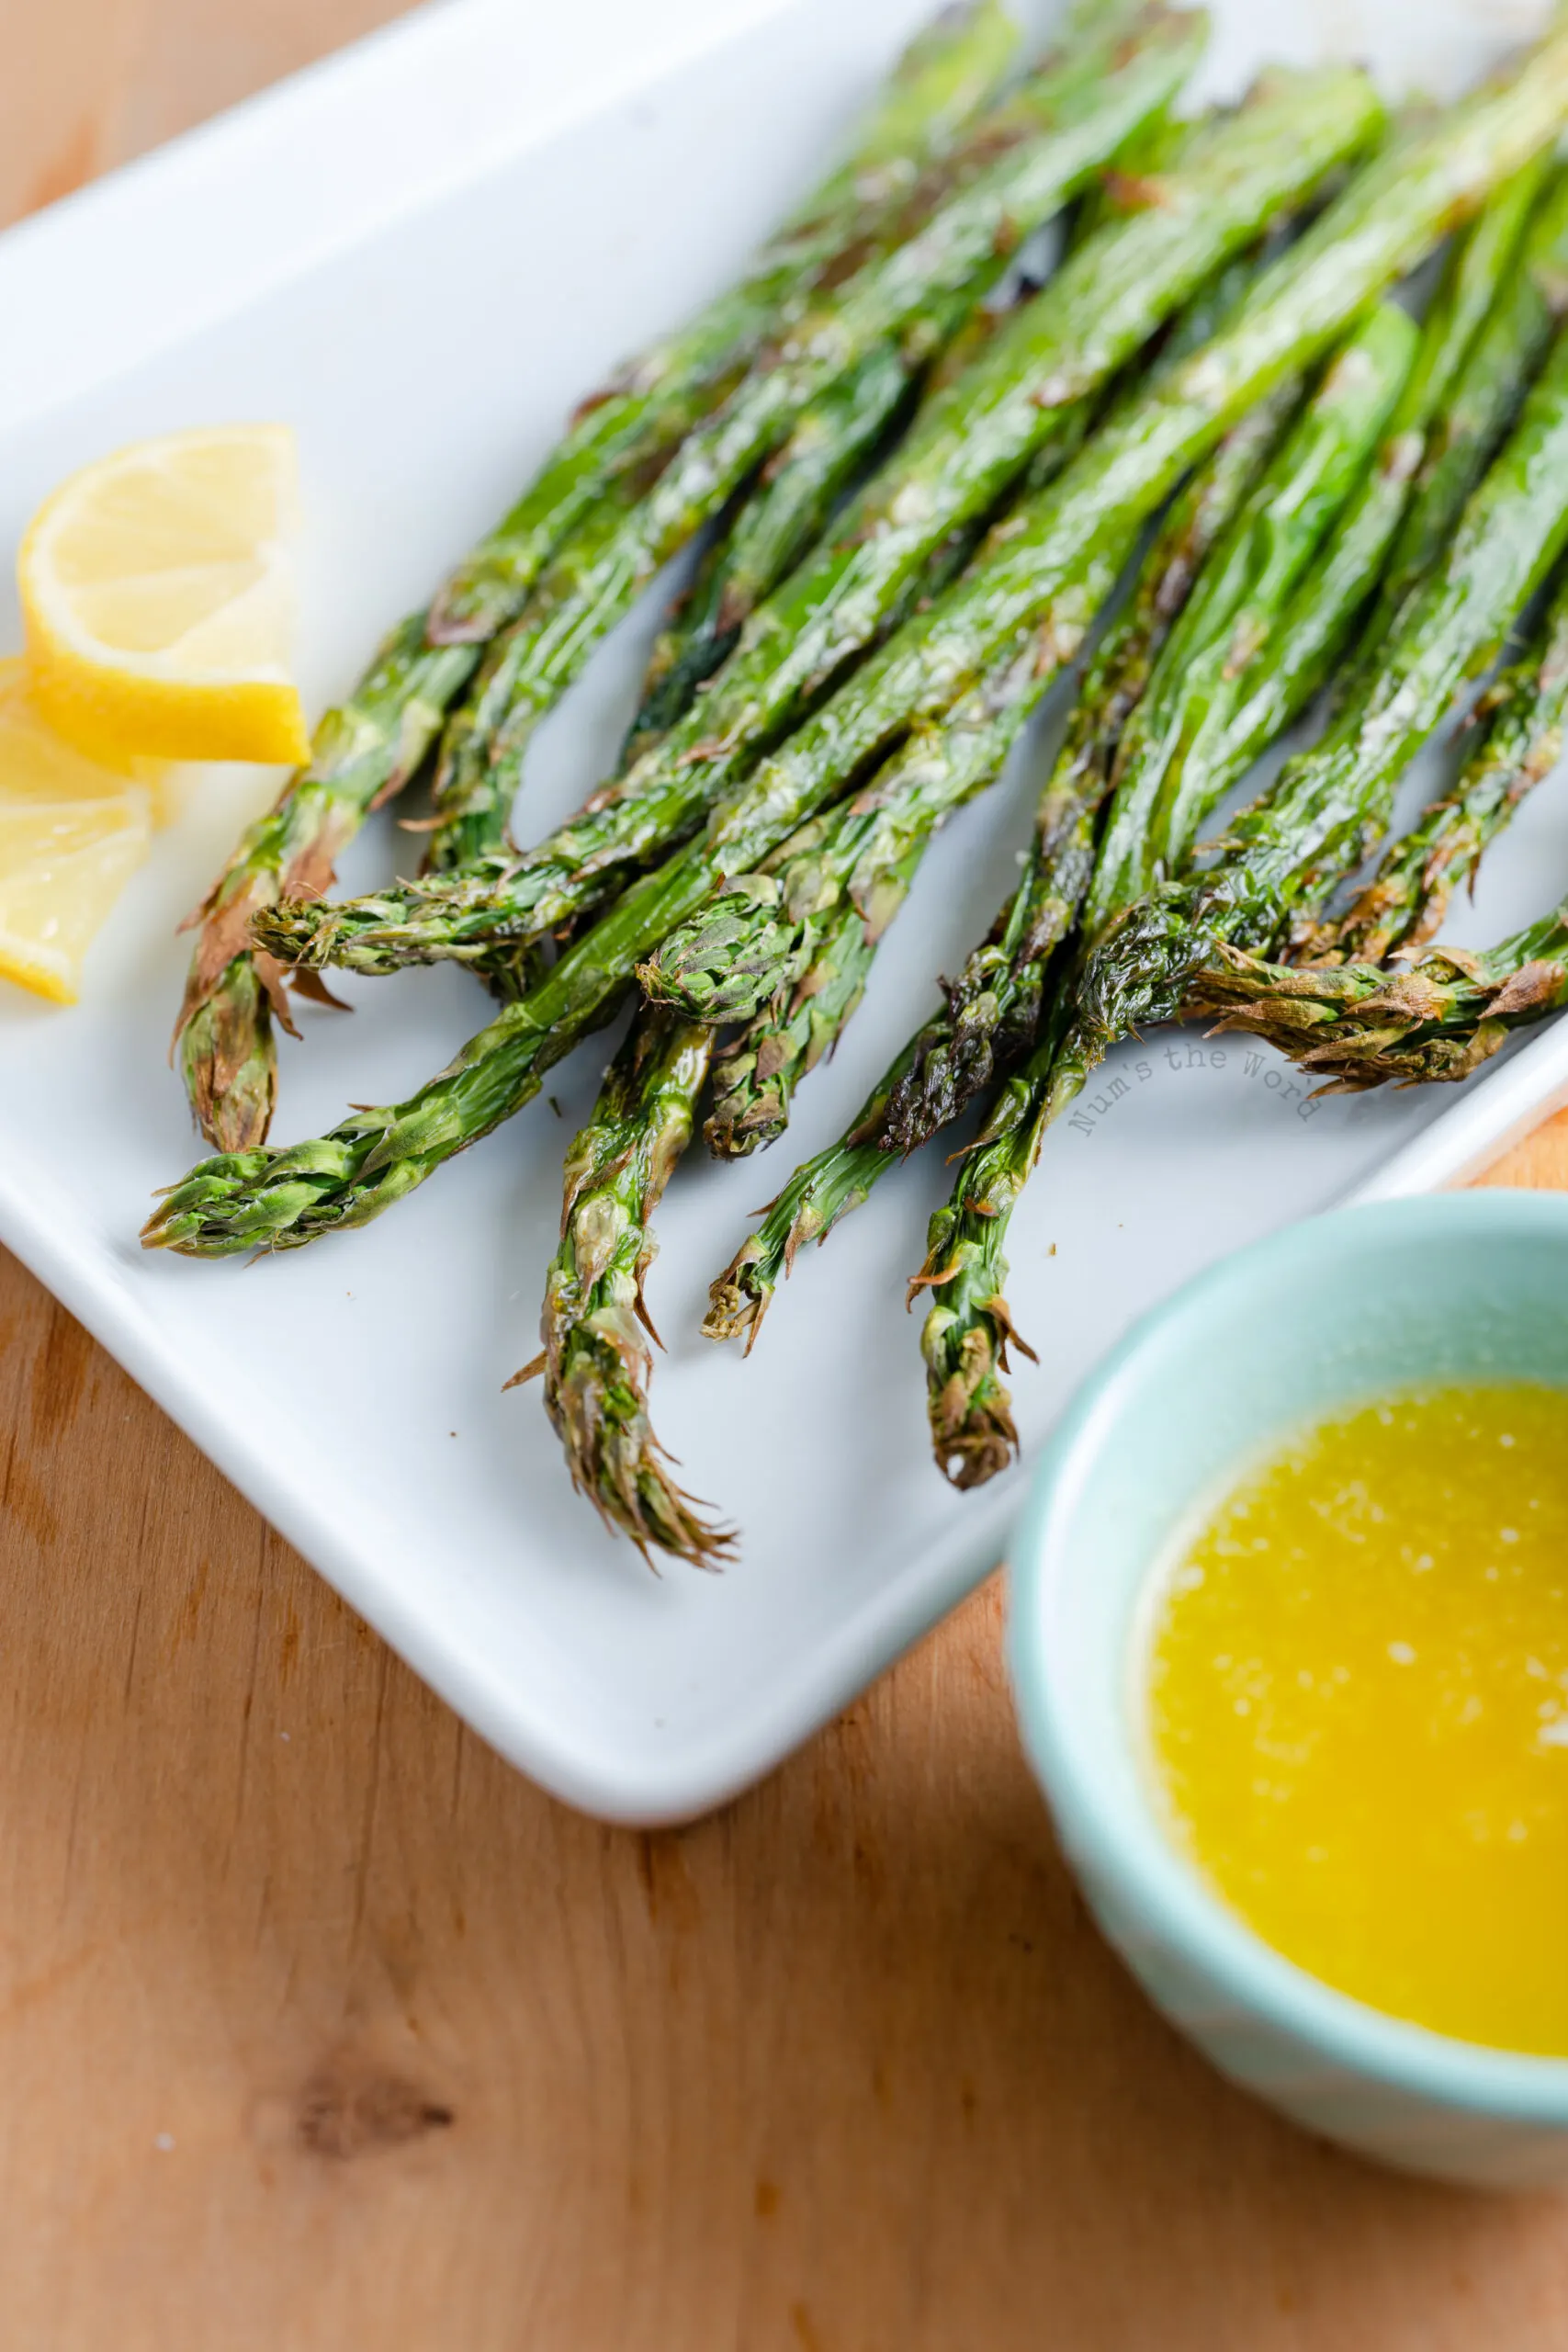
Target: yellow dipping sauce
1357	1688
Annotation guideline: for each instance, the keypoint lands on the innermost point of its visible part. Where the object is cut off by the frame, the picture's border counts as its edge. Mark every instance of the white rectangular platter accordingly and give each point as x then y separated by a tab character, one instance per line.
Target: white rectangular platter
418	256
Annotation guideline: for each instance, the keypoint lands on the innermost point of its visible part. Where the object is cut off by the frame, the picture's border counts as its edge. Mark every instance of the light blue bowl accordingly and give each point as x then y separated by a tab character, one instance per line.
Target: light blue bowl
1458	1286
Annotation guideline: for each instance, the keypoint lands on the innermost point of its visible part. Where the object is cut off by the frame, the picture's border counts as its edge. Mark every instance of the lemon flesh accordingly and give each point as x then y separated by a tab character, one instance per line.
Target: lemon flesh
157	591
72	833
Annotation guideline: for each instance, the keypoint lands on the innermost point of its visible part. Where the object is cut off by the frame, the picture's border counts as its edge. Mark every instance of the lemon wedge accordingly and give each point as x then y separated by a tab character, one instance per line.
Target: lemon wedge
158	595
72	832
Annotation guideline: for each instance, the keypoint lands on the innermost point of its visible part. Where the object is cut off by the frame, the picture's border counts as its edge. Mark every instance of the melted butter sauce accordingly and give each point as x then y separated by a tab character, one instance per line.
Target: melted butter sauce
1356	1697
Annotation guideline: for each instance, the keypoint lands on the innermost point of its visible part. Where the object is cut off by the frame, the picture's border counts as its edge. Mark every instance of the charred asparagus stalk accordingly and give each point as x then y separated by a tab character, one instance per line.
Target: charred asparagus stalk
1030	582
837	440
752	945
363	753
366	750
282	1199
815	986
991	1010
1282	858
598	1338
597	1359
959	459
1358	1025
755	1076
1331	803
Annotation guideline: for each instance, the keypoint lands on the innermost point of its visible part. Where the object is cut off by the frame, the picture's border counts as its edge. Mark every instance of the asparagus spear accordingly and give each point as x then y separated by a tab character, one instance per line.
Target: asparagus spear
596	1359
805	481
610	1447
281	1199
366	749
1030	582
1358	1025
779	939
1521	719
822	964
493	909
1269	692
755	1076
1239	607
802	483
943	79
1503	356
1283	857
813	919
838	884
752	945
362	752
758	935
961	458
912	275
781	520
1046	144
597	1355
1329	803
1456	366
993	1010
799	939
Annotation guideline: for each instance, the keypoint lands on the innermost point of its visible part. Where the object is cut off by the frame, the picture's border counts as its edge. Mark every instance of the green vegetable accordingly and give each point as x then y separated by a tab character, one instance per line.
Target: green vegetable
1521	719
776	523
1358	1025
369	747
598	1351
927	111
1523	238
816	914
1035	579
1283	855
1229	552
968	449
1330	608
363	753
1240	605
1043	145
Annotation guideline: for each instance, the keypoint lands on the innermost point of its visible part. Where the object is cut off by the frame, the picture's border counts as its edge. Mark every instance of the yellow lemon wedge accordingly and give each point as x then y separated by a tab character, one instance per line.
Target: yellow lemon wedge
72	831
158	594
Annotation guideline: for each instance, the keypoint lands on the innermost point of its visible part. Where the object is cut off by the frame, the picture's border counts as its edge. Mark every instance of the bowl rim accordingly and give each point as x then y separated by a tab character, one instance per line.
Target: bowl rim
1122	1842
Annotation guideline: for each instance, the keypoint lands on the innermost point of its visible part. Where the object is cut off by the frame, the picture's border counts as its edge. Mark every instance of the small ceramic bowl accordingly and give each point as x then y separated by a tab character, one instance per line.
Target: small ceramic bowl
1457	1286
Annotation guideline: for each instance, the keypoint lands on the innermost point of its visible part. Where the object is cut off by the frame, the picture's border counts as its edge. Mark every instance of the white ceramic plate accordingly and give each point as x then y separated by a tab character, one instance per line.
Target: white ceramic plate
417	256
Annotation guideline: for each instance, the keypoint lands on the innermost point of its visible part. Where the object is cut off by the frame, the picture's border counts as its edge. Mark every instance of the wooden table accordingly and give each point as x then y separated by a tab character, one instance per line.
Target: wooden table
320	2027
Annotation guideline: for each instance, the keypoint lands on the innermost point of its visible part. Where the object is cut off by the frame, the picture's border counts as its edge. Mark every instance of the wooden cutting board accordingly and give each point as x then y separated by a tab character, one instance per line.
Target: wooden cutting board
319	2027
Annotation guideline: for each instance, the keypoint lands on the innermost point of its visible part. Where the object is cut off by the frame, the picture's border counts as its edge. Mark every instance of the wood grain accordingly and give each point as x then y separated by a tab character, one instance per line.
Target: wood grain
320	2026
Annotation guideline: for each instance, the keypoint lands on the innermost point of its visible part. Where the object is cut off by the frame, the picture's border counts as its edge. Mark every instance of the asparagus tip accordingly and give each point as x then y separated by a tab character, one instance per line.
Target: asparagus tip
618	1464
974	1441
740	1297
974	1436
226	1053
